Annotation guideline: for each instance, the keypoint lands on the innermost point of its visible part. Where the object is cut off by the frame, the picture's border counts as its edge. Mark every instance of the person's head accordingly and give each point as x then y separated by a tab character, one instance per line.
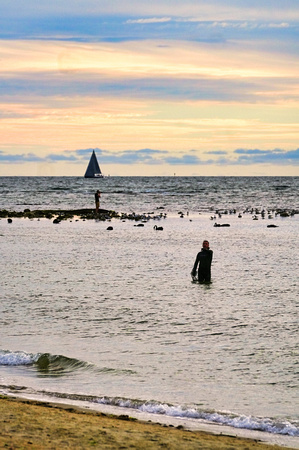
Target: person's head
205	244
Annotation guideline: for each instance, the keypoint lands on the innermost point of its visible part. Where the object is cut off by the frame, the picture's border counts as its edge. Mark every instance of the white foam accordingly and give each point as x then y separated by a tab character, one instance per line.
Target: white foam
8	358
224	418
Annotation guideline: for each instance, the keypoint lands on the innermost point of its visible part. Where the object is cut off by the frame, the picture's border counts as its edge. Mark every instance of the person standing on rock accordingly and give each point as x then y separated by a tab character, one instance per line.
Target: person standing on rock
97	196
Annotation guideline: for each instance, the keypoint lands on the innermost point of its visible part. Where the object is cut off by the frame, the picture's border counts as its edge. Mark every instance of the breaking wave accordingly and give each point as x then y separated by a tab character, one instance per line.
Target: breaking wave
277	426
44	363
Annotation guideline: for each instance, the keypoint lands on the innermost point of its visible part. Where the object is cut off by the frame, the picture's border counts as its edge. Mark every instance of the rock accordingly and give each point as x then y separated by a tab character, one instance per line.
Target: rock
221	224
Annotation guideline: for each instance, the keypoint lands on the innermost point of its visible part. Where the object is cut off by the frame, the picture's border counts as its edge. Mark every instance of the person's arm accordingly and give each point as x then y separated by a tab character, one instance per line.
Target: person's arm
193	272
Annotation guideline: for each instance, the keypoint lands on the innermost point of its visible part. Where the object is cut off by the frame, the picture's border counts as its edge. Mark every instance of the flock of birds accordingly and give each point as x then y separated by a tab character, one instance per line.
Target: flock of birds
142	219
255	213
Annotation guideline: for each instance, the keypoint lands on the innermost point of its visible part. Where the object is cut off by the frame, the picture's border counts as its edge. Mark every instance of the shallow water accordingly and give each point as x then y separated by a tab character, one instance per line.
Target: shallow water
129	325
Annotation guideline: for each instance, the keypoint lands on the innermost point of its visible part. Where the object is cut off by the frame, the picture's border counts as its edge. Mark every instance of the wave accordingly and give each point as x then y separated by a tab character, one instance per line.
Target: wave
274	426
53	365
44	363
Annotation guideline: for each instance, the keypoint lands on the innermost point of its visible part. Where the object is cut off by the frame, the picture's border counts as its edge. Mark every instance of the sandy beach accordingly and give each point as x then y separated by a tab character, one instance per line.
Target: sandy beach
41	425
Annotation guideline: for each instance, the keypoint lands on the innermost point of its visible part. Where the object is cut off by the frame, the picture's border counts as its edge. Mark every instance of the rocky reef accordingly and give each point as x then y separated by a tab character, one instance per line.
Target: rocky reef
60	215
57	215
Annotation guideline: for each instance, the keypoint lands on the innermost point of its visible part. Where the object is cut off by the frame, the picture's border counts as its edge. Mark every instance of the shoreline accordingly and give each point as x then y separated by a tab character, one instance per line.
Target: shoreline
41	424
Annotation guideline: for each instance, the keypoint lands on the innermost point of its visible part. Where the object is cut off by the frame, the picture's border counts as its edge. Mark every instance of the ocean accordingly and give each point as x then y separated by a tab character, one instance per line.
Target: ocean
112	319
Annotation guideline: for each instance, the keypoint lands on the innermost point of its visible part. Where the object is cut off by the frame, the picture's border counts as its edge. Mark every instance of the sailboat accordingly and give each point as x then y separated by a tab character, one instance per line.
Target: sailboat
93	169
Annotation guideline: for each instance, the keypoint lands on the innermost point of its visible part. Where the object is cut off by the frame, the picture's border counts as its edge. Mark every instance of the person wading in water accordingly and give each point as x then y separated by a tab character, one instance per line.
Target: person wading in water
203	261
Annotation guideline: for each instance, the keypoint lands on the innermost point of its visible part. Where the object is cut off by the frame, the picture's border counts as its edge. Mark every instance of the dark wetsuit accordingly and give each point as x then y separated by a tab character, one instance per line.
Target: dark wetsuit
204	259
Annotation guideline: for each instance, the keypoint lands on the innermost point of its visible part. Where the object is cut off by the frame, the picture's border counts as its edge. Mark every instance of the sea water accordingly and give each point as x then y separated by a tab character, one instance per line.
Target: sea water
100	317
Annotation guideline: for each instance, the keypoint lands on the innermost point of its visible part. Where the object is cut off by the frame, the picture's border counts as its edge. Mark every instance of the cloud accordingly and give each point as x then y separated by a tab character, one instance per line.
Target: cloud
144	156
58	157
150	20
247	25
19	158
216	152
153	156
277	25
276	156
86	152
183	160
181	70
255	151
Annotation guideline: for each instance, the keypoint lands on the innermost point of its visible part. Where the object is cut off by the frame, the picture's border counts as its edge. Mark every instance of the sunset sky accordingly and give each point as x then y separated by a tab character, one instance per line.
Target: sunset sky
155	87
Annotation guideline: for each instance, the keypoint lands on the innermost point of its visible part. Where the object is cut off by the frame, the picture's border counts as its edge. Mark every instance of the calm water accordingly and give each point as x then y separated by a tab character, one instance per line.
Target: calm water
144	194
113	317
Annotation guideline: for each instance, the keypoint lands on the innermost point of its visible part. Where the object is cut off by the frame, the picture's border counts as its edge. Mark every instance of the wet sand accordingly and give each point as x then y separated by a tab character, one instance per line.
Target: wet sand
40	425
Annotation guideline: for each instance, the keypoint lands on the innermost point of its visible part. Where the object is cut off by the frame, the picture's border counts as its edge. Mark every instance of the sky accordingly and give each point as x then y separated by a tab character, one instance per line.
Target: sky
189	87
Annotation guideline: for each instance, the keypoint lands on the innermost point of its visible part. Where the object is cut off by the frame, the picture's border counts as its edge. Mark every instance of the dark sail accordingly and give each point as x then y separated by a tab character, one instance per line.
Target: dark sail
93	169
